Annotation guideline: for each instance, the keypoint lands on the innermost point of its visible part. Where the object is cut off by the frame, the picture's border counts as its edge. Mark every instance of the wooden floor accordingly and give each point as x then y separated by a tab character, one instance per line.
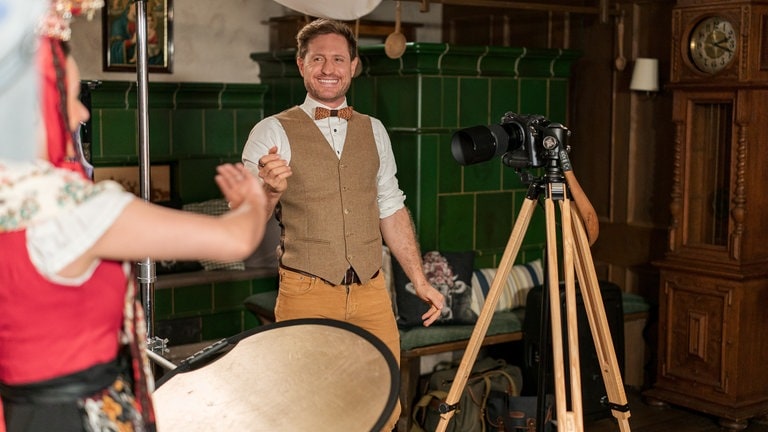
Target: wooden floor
645	418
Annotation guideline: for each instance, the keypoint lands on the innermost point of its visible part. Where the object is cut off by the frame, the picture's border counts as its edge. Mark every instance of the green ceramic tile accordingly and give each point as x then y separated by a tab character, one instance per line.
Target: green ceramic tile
118	133
484	176
405	147
429	146
298	92
270	97
110	94
179	331
427	211
558	97
423	58
376	63
537	63
431	103
222	325
219	132
456	222
161	95
426	225
96	148
511	179
485	261
362	95
283	94
159	133
264	284
537	226
502	61
198	95
450	89
187	132
269	69
396	103
243	96
495	219
534	96
192	299
163	303
276	64
504	98
245	120
196	180
250	321
563	65
450	172
461	60
531	253
473	102
230	295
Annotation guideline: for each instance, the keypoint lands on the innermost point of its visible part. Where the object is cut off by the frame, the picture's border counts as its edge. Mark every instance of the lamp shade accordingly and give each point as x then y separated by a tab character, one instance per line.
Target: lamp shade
645	76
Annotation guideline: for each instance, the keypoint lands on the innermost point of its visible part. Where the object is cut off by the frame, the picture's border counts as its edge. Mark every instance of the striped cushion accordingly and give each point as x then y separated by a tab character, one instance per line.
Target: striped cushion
521	278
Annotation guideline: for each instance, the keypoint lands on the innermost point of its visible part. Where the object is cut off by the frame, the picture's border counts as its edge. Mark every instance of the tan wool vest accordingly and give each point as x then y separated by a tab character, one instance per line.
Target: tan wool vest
329	214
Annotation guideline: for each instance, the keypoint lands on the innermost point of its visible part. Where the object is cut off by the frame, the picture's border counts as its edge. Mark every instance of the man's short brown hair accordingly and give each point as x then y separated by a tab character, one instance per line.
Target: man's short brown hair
324	26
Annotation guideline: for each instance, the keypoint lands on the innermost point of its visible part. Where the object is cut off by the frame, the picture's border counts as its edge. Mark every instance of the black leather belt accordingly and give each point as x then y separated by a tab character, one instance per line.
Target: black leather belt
350	277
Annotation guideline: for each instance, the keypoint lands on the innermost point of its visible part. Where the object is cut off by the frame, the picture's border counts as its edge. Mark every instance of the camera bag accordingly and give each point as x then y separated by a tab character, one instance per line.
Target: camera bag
488	377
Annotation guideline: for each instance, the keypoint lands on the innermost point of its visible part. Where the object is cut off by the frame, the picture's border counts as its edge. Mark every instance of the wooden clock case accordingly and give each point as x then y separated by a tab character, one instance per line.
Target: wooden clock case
713	318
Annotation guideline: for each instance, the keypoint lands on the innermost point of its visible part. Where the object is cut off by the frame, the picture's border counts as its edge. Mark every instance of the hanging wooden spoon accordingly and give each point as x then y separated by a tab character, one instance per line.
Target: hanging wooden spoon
394	45
621	61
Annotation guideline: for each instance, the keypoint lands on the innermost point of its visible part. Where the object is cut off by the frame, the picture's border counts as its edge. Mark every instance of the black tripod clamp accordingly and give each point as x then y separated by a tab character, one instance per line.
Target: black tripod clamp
614	406
444	407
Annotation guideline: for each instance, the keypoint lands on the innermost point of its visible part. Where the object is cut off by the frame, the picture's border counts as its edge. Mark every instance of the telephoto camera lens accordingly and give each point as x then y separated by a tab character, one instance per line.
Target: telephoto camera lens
479	143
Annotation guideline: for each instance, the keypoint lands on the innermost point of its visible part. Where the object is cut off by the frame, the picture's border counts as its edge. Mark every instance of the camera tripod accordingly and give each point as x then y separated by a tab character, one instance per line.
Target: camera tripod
579	231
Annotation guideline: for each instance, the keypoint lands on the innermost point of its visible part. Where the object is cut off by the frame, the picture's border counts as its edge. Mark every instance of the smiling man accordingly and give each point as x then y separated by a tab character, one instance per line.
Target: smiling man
329	174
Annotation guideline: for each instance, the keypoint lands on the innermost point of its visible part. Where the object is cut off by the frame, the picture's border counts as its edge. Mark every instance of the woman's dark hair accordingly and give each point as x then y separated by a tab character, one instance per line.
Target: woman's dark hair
60	69
321	27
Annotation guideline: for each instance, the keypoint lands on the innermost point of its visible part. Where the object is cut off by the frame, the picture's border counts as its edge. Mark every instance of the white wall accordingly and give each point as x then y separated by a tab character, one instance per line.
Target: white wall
213	39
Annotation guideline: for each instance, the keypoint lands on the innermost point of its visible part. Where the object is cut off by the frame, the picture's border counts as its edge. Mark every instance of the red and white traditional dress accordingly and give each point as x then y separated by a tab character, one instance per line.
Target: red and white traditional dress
71	349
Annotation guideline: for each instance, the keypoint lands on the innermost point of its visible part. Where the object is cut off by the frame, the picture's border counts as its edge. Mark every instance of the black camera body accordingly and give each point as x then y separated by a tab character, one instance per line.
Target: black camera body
522	141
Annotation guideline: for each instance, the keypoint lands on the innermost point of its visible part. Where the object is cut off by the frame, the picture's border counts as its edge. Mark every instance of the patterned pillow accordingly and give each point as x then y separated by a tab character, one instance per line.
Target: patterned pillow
214	207
451	274
521	279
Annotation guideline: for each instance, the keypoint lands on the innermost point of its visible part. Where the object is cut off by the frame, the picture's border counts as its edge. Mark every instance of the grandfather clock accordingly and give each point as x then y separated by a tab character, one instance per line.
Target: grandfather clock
713	318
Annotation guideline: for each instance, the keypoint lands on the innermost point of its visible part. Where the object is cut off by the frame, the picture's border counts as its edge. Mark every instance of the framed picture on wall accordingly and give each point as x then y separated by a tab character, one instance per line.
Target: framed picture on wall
119	37
128	177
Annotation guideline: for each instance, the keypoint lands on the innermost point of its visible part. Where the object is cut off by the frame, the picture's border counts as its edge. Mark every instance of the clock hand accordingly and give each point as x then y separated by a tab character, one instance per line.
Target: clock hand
721	46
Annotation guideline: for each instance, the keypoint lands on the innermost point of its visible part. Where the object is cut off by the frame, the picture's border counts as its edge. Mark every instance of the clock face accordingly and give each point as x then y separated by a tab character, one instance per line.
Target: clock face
712	44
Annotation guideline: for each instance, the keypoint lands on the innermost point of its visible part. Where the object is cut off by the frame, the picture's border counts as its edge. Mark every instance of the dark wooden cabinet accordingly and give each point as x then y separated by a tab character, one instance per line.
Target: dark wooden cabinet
712	344
713	326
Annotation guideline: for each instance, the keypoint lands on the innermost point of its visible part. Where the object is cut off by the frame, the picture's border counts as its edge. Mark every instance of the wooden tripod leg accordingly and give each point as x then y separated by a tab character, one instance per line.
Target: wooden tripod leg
553	286
486	314
574	361
598	324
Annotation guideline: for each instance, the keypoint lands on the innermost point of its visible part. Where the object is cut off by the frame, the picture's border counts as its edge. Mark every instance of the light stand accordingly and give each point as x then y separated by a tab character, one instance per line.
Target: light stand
145	269
577	260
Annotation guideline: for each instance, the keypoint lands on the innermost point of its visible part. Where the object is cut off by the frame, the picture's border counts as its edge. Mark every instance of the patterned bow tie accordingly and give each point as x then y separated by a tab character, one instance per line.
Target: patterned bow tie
324	113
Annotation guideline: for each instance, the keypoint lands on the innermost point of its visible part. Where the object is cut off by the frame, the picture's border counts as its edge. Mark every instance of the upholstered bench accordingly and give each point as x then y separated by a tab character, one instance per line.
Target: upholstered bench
417	342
